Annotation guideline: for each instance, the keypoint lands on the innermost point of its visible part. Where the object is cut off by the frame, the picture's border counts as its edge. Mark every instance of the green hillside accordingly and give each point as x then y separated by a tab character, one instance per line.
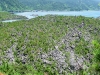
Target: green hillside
70	5
6	5
51	45
61	5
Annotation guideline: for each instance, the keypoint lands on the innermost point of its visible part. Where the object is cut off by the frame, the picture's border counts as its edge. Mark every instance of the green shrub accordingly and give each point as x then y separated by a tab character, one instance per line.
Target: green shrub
96	53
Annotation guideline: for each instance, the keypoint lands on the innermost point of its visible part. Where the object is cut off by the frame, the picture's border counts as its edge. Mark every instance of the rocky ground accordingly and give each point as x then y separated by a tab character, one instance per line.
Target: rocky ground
72	62
63	56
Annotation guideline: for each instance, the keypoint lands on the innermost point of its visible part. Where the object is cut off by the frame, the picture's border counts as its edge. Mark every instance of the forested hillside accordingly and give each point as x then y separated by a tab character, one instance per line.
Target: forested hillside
61	5
6	5
70	5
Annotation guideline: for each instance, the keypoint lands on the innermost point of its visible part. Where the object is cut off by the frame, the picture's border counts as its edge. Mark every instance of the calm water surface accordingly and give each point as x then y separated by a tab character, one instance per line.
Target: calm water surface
65	13
9	20
30	15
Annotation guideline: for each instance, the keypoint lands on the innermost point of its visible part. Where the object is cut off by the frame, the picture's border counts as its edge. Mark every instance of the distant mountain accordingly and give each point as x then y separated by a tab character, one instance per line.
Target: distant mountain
6	5
71	5
61	4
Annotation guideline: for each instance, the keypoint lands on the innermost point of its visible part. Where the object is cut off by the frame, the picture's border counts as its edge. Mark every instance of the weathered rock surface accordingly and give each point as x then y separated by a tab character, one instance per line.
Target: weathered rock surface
76	62
71	62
